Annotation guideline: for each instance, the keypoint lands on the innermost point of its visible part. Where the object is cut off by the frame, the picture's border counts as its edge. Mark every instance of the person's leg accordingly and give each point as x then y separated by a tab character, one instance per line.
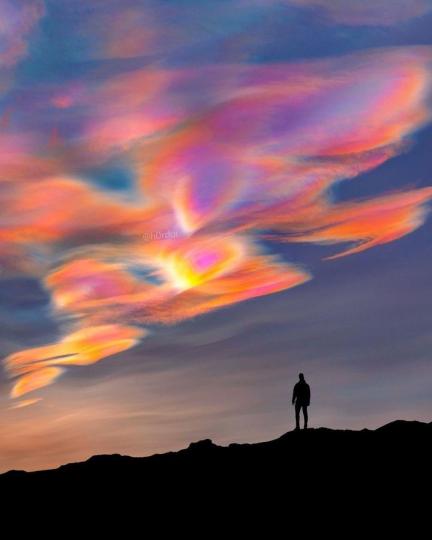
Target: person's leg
305	416
297	415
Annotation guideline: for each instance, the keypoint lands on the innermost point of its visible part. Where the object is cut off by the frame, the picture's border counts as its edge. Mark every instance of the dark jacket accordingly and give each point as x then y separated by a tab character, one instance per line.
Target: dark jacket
301	394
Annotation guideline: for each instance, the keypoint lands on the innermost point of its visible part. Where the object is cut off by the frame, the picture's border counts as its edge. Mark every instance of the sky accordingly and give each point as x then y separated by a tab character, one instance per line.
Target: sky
199	200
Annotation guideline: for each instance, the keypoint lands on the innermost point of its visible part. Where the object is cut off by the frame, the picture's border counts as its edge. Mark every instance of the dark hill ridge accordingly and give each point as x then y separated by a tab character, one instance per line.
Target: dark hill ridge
401	447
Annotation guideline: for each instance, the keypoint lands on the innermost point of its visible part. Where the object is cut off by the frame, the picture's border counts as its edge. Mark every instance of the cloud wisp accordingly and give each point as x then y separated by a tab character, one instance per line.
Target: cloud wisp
368	12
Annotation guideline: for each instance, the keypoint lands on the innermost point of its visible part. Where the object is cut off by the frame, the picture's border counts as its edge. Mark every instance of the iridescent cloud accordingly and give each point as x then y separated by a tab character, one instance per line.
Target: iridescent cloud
221	158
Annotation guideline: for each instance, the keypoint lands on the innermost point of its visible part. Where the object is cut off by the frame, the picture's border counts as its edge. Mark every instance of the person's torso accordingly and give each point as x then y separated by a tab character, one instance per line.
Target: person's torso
302	393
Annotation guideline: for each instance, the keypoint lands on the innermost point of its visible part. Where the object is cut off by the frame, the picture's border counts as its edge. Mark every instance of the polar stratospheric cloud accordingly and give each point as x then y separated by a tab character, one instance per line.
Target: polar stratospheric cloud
157	172
256	156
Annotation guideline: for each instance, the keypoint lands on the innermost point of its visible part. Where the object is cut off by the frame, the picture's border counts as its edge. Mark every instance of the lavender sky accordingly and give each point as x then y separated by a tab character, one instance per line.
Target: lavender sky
200	199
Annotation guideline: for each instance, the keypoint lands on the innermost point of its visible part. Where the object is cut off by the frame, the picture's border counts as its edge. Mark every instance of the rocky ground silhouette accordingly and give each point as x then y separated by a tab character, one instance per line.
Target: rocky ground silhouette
298	458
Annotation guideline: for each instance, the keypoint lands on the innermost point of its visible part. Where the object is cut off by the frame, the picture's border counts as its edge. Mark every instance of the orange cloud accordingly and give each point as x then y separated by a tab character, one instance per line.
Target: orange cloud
38	367
35	380
369	223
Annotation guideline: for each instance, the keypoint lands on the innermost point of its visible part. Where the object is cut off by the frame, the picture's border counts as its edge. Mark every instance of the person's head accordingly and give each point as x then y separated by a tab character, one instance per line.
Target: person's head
301	377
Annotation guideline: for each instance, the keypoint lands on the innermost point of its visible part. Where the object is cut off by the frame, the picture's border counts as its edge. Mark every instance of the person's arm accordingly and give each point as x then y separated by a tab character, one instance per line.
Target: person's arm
308	394
294	394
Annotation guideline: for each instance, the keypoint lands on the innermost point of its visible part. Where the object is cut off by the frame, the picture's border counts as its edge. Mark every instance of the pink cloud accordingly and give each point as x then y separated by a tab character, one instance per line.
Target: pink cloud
17	20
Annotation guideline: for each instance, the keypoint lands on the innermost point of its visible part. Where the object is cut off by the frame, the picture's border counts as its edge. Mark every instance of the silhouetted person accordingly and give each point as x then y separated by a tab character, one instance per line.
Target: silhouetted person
301	399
